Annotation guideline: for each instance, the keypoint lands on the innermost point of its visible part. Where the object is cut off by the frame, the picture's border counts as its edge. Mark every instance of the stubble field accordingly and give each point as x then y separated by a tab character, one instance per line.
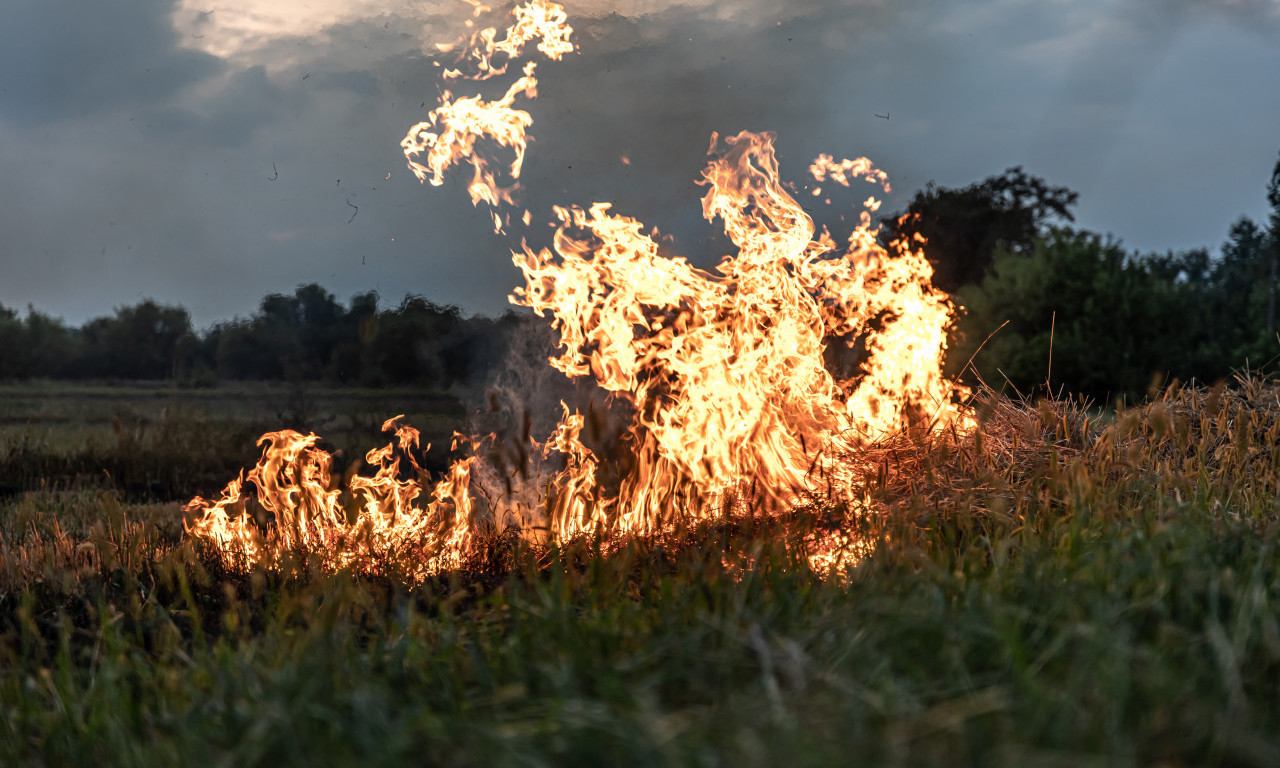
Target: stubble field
1057	589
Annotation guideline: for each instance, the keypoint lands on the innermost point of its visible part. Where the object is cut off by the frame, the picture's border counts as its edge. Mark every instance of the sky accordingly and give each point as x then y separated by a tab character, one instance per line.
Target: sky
209	152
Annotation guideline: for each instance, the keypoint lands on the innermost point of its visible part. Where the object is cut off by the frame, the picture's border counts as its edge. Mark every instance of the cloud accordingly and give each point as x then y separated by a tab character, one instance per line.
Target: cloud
63	60
1260	15
285	34
233	169
225	111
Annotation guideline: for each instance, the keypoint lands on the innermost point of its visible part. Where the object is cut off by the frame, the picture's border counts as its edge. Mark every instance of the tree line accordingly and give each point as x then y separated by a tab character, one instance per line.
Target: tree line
1042	303
307	336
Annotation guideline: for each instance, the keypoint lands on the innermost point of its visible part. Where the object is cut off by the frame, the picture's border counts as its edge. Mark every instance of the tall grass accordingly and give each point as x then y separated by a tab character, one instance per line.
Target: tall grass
1049	591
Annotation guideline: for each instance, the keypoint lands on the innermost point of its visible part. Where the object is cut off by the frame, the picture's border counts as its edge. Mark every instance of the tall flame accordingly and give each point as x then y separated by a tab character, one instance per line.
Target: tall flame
726	371
733	402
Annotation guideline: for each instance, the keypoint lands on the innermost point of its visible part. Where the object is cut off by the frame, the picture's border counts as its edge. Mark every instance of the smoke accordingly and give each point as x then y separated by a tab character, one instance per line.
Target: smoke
516	409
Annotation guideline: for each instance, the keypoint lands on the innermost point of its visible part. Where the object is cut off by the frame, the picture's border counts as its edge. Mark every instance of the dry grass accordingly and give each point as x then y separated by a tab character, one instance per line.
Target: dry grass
1055	588
1218	446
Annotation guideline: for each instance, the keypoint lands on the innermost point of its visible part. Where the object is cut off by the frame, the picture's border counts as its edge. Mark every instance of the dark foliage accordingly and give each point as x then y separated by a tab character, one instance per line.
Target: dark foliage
1048	304
1087	316
1116	323
965	227
1113	322
308	336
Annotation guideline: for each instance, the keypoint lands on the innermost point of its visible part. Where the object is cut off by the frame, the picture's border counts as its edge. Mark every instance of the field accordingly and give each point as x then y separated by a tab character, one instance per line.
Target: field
1059	589
160	442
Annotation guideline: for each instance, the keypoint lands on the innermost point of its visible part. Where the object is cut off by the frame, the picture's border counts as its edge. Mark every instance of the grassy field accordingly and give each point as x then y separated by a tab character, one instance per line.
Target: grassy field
1051	591
159	442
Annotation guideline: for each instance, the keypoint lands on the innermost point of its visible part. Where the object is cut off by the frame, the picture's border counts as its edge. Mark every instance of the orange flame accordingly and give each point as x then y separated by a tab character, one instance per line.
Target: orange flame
726	372
304	507
451	130
734	402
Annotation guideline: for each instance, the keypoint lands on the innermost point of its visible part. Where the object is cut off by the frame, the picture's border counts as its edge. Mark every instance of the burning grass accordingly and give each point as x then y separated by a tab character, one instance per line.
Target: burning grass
777	565
1052	588
732	406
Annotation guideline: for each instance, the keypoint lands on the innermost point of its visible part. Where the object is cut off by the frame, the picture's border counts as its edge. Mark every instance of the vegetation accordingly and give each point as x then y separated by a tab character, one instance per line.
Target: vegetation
1065	585
308	336
1115	324
966	227
1049	591
152	442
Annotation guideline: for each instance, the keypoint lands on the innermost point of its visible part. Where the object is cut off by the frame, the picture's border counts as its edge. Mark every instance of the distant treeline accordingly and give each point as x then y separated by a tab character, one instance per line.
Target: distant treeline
308	336
1079	310
1113	323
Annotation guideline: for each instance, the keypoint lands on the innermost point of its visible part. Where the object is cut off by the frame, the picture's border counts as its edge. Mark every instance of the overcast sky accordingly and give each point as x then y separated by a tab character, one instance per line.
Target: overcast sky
208	152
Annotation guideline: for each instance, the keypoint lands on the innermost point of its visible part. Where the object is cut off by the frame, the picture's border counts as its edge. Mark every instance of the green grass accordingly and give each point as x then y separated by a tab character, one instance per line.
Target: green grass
1049	592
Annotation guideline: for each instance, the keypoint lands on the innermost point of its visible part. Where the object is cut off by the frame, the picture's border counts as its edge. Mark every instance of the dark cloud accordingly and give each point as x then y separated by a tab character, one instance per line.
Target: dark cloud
225	179
655	90
228	115
66	59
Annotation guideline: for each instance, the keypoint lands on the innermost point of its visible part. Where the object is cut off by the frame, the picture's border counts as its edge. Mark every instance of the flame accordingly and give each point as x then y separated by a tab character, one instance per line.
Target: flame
450	132
734	405
537	20
303	507
726	371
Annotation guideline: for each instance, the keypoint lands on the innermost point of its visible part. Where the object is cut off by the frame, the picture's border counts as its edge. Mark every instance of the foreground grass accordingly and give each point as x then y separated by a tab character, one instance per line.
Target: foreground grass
1047	593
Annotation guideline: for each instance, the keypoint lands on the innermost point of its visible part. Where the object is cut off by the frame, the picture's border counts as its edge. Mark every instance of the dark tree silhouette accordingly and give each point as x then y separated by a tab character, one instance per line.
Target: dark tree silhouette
964	227
1273	238
139	342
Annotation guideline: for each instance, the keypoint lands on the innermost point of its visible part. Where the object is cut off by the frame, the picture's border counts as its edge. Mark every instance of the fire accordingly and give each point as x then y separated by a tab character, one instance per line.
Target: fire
725	372
450	132
302	506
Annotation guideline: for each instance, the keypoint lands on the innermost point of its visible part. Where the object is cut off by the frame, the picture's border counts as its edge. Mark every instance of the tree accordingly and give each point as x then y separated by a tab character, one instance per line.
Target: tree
350	361
477	344
407	344
241	353
51	345
965	227
321	326
290	337
14	351
1239	291
1273	239
1114	321
139	342
277	329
